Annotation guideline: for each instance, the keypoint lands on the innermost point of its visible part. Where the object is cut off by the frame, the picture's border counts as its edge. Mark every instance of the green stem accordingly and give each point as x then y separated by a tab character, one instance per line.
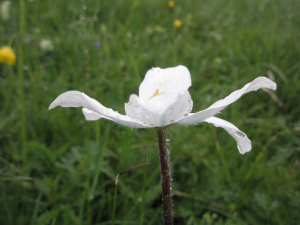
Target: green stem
115	201
225	169
21	76
97	128
175	55
144	193
165	174
88	188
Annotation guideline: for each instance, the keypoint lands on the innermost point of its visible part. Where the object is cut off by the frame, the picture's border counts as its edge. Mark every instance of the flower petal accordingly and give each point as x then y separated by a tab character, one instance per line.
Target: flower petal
92	108
194	118
169	80
244	143
91	115
160	110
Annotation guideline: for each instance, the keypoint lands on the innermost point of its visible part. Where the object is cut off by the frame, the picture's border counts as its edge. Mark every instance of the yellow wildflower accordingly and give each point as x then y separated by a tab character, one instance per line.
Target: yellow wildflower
7	55
171	4
177	24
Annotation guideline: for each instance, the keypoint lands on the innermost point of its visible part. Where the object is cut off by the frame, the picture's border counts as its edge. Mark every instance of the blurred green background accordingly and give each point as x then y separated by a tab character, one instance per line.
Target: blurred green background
57	168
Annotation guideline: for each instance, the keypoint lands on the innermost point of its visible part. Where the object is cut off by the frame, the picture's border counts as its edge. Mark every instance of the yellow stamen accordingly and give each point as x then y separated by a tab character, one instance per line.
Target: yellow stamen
157	92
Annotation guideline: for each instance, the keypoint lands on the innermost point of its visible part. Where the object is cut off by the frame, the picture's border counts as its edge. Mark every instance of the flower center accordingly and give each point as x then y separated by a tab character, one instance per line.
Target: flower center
157	92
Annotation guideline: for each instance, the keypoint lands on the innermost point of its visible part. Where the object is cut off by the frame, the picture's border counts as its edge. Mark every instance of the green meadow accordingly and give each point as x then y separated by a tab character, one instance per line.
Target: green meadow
56	168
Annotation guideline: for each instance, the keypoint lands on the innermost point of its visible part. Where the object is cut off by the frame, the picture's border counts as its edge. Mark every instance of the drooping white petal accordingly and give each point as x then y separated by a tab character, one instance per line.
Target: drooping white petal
243	142
160	110
194	118
91	115
93	107
169	80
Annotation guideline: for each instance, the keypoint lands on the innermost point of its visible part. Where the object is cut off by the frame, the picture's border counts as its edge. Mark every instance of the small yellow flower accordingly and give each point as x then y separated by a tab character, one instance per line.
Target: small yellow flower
171	4
177	24
7	55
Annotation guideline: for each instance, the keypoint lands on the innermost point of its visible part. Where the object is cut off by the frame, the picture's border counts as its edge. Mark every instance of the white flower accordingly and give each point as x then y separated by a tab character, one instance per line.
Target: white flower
46	45
5	10
163	100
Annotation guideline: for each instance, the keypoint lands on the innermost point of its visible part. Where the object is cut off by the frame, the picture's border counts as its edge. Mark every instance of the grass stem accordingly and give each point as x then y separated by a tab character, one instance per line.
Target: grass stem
115	201
21	75
144	192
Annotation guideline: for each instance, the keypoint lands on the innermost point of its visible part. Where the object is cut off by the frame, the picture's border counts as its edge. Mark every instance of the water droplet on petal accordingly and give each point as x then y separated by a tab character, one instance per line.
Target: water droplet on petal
172	121
185	115
169	137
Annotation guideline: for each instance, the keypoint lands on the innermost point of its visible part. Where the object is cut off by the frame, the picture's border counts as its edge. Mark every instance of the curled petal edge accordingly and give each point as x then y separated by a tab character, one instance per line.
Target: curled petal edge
93	110
194	118
243	142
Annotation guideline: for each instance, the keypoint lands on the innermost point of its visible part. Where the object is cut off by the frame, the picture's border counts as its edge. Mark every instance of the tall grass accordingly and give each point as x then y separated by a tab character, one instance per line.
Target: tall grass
74	163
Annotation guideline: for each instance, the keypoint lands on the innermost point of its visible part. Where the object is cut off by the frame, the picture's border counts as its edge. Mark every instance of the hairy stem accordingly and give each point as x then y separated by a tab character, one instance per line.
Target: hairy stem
165	174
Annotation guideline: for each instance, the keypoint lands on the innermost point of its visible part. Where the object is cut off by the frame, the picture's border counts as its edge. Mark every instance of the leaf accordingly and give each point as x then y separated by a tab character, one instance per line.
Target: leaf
5	176
47	216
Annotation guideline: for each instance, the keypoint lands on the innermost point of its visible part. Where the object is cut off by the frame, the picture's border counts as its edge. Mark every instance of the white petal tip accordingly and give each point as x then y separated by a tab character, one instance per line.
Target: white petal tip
243	142
273	85
51	106
265	83
243	151
244	146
